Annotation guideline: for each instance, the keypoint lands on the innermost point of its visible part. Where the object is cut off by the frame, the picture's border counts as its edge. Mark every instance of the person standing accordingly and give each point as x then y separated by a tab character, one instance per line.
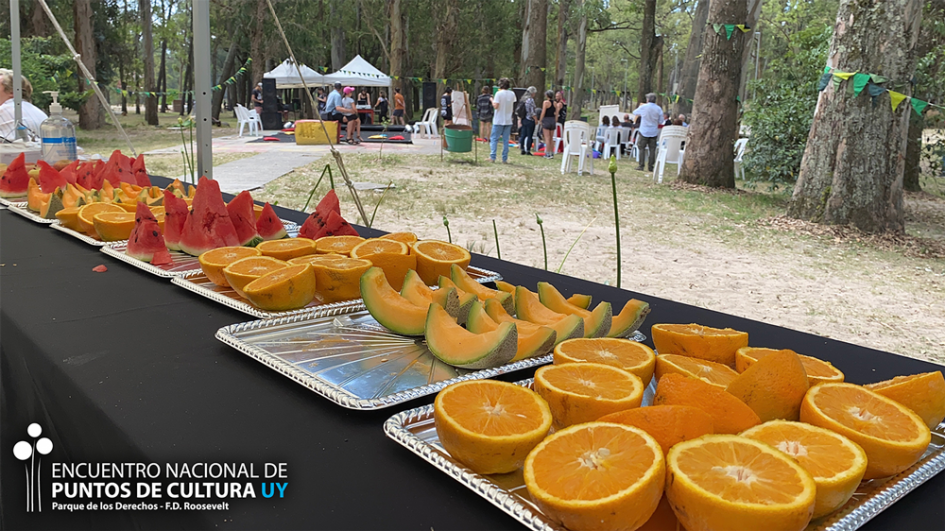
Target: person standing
485	112
651	116
446	110
322	100
549	120
399	106
33	116
257	98
350	113
364	104
528	113
562	107
504	103
381	106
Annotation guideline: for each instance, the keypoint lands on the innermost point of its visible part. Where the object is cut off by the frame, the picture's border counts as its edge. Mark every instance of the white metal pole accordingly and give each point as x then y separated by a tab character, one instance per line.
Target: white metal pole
15	50
202	88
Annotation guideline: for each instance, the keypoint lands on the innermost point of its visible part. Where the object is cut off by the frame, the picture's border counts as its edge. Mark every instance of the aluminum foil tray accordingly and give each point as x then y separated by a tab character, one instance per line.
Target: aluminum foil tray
197	282
181	262
91	240
21	209
414	429
352	360
16	201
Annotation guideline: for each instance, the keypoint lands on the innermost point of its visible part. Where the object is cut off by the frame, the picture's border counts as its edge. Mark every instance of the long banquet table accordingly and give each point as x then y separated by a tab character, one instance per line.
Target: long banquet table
123	366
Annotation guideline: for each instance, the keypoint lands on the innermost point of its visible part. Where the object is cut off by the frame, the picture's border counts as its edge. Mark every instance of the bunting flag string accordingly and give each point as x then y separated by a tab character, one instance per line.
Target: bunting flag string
871	82
730	28
172	92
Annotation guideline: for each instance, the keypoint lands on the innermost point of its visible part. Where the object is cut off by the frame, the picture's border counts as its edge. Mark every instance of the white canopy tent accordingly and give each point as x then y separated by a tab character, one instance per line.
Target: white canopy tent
359	73
287	76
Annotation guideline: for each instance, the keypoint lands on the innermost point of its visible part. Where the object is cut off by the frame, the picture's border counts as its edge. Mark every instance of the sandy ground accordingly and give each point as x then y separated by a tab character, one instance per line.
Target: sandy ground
709	250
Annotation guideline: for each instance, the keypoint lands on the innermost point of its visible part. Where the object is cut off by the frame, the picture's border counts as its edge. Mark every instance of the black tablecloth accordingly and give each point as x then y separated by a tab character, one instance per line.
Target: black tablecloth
123	366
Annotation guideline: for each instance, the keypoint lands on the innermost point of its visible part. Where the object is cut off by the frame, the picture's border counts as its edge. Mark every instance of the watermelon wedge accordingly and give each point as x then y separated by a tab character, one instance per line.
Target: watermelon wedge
146	242
140	172
69	173
49	178
336	226
243	218
208	226
15	181
269	226
175	215
319	219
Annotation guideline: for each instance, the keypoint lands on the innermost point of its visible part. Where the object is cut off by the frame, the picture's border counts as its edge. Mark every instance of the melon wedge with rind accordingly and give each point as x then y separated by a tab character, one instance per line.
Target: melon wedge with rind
454	345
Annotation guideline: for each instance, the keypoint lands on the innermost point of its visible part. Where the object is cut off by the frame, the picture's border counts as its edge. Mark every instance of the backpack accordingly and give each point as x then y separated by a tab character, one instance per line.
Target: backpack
521	111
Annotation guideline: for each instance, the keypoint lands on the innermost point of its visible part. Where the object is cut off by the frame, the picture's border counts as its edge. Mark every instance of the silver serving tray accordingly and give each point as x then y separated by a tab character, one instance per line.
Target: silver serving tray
23	210
79	235
181	262
198	283
16	201
352	360
415	430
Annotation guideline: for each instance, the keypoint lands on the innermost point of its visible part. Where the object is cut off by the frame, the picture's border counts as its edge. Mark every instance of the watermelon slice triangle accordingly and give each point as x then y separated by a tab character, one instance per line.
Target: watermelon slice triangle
15	181
241	214
69	173
140	172
208	225
175	215
49	178
146	242
269	226
319	219
336	226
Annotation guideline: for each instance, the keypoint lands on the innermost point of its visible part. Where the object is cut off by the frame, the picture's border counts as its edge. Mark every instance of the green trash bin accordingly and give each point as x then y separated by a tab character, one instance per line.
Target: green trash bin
459	138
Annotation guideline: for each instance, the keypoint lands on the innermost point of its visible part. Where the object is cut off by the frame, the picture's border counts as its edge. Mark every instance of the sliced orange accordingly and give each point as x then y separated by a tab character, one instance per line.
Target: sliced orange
337	244
212	262
285	289
337	277
622	353
718	482
729	414
836	463
697	341
922	393
287	248
128	207
773	387
490	426
393	257
817	370
434	259
583	392
246	270
405	237
69	218
86	215
893	437
597	476
707	371
669	425
113	226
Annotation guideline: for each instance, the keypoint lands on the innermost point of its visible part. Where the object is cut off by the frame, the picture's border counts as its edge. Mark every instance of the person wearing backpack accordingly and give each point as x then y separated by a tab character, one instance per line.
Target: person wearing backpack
527	113
446	110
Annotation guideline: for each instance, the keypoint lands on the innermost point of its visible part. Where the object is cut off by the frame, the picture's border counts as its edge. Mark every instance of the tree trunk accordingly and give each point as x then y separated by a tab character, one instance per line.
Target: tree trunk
853	165
748	52
647	38
577	97
124	87
713	128
338	59
690	68
150	104
397	51
913	166
225	73
162	76
90	112
446	26
256	43
534	44
928	39
658	59
561	55
37	21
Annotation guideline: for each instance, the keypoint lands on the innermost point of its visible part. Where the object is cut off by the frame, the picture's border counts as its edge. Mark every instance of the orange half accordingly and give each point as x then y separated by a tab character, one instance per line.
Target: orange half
434	259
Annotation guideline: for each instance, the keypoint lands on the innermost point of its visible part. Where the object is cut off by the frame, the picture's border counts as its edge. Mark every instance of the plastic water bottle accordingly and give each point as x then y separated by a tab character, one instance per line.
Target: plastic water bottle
58	134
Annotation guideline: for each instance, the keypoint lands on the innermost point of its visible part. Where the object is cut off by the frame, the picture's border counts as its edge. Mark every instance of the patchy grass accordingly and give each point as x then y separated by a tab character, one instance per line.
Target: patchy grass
144	137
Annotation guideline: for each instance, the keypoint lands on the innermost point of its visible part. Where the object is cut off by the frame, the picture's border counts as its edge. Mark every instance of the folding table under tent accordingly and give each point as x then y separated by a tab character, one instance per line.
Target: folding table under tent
287	76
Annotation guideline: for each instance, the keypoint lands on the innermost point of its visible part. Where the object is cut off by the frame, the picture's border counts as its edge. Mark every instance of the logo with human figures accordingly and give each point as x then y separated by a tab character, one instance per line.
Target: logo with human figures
31	454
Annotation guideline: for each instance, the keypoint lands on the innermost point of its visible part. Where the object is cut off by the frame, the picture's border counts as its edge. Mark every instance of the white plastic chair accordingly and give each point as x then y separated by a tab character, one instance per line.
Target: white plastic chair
635	148
611	143
740	146
577	143
624	139
244	117
558	137
427	126
670	150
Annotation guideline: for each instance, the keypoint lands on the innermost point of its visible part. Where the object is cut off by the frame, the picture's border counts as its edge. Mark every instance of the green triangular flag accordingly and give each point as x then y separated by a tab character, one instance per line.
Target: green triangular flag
859	83
895	98
718	28
836	82
875	90
824	81
729	28
877	78
919	106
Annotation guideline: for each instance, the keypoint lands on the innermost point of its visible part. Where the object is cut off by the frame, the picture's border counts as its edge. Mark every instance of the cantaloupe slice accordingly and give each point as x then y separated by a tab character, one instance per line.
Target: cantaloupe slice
466	283
596	323
454	345
389	308
465	298
581	301
49	208
629	319
416	291
570	327
538	342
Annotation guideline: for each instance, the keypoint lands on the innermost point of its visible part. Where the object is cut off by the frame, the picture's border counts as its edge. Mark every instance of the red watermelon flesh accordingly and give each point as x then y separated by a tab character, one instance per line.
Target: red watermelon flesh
243	218
15	181
86	176
208	225
336	226
49	178
269	226
319	219
140	172
123	166
175	214
146	243
69	173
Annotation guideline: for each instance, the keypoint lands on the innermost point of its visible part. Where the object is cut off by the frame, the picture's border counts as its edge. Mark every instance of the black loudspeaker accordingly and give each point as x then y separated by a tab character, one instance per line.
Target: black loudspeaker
271	120
429	95
269	95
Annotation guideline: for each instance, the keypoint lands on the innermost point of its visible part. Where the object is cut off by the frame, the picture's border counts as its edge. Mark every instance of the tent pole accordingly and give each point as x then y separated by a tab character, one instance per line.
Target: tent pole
202	84
17	68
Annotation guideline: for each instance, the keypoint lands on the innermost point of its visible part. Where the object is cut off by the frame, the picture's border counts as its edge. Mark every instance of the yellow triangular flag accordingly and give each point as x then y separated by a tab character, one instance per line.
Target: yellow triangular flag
895	98
844	75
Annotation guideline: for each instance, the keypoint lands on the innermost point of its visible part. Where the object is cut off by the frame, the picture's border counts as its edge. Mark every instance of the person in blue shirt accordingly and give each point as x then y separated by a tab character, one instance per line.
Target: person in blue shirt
651	117
332	103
